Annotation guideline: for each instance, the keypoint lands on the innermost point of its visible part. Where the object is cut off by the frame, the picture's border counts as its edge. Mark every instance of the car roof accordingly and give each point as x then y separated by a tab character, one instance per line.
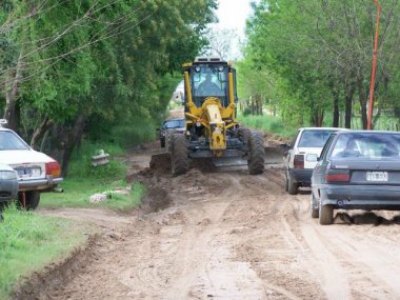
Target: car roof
175	119
369	131
322	128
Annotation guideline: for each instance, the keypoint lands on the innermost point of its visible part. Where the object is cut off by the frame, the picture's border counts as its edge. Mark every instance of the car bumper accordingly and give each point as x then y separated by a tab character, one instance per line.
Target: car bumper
43	184
361	196
8	190
302	176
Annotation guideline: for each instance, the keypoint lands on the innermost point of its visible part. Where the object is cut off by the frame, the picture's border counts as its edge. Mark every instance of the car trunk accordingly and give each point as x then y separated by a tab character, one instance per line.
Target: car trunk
28	164
310	155
376	172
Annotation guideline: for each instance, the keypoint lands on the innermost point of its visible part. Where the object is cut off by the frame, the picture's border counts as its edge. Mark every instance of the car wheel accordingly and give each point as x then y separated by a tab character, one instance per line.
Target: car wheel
314	211
32	199
325	214
292	186
162	143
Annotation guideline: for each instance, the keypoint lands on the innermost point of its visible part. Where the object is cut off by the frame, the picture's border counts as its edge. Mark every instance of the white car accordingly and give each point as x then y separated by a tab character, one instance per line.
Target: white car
36	171
302	156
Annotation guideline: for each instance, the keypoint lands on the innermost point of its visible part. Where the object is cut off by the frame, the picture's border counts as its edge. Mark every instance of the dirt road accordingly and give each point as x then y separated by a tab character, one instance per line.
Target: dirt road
228	235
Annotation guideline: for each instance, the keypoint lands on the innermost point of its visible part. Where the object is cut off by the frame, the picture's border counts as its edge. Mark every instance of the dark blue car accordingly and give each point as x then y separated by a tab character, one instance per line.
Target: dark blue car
356	170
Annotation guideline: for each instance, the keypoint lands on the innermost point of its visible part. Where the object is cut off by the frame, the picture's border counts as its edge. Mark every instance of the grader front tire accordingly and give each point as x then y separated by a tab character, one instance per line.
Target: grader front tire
179	155
256	154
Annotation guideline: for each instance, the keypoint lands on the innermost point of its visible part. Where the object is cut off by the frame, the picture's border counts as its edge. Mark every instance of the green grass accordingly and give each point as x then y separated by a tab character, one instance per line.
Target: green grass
77	192
84	180
29	241
269	124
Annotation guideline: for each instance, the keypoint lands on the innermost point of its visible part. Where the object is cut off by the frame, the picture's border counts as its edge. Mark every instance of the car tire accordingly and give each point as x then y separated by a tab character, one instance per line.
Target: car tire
314	211
292	187
162	143
325	214
32	199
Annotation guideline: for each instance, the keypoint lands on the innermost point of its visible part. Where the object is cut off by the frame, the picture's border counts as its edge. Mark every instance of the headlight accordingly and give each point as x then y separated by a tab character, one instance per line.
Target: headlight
8	175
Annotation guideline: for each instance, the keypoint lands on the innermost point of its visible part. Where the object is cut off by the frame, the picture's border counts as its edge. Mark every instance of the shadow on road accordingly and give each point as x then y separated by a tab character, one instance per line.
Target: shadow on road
365	218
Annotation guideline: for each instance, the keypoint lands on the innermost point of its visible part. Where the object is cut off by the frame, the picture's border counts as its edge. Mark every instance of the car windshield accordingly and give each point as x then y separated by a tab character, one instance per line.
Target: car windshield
367	145
314	138
174	124
10	141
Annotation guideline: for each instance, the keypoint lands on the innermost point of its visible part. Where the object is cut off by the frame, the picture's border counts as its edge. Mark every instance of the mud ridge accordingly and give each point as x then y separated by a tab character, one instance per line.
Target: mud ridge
46	283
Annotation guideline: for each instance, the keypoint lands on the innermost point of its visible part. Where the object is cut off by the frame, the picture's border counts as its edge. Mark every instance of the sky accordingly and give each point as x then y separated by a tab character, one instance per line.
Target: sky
232	15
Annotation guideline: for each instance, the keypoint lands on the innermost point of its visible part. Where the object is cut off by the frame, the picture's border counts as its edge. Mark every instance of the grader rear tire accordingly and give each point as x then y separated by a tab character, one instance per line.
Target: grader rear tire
244	134
256	154
179	155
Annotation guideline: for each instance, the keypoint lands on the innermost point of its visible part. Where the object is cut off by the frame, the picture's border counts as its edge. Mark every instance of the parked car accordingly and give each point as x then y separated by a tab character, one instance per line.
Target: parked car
170	126
302	156
8	186
356	170
36	171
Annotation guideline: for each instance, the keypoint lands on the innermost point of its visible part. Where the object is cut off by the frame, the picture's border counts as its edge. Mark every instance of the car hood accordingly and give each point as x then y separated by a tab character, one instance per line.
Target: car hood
13	157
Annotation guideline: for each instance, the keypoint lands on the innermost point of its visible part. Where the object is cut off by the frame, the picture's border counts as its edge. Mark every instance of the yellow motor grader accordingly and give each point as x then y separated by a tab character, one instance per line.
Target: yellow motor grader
210	113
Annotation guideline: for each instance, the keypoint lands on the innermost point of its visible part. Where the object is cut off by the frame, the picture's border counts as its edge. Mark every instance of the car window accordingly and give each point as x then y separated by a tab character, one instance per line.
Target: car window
314	138
10	141
327	146
368	145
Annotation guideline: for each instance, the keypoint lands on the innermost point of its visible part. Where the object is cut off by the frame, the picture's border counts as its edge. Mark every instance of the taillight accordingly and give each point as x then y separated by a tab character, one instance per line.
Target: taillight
53	169
337	176
298	161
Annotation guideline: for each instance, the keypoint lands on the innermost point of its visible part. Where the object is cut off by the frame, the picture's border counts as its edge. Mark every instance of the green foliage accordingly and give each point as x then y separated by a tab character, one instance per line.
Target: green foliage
268	124
81	166
112	64
309	58
29	241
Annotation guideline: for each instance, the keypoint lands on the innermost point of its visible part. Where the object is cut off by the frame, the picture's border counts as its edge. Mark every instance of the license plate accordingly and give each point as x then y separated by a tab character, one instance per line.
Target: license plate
29	172
377	176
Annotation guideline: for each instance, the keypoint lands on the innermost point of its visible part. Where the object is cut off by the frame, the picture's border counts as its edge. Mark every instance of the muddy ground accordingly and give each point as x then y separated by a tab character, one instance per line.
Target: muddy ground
219	233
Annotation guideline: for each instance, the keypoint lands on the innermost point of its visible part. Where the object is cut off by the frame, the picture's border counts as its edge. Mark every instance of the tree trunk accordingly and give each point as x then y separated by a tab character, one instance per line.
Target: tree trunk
40	131
11	95
362	95
350	89
336	116
73	139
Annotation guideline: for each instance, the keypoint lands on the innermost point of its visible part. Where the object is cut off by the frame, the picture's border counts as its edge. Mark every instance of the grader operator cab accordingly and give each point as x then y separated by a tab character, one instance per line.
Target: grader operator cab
210	113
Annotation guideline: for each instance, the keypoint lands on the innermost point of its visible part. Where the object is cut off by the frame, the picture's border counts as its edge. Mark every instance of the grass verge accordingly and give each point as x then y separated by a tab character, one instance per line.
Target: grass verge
77	192
269	124
29	241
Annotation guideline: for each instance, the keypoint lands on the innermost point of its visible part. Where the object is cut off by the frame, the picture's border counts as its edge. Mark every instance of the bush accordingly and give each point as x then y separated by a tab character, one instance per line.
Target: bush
267	123
81	163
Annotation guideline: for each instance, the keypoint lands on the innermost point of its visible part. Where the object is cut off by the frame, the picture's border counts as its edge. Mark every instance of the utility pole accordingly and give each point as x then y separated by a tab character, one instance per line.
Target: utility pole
373	69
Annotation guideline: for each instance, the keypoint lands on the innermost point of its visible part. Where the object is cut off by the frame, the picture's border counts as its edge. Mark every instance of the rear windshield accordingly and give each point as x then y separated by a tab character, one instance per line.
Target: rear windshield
314	138
10	141
174	124
367	145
